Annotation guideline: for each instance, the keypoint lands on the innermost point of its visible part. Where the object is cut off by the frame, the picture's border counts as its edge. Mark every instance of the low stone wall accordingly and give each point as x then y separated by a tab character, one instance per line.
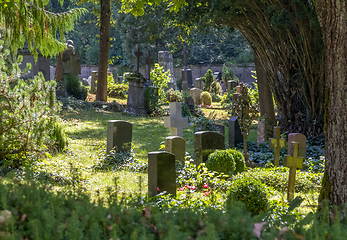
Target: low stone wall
243	72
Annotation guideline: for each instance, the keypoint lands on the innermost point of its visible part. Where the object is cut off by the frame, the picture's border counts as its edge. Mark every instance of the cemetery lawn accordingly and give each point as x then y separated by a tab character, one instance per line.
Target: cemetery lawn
86	130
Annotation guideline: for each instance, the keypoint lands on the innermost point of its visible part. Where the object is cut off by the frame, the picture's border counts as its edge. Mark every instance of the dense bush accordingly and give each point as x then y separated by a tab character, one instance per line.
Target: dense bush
215	97
117	90
174	96
251	192
151	100
28	116
74	86
206	98
160	80
210	82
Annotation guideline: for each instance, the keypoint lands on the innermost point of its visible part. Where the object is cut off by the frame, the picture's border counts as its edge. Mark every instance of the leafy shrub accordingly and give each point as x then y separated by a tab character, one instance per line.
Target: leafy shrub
185	110
228	161
74	86
117	90
60	140
221	161
151	100
215	97
28	115
210	82
160	79
226	100
251	192
277	178
206	98
174	96
202	123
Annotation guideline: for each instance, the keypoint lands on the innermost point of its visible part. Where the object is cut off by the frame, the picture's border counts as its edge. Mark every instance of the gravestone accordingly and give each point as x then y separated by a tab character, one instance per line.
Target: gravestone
277	142
237	94
264	130
235	135
231	85
177	146
293	162
301	139
205	142
187	79
120	79
149	63
176	122
136	92
195	93
198	83
220	128
71	63
165	60
93	81
161	173
41	65
119	135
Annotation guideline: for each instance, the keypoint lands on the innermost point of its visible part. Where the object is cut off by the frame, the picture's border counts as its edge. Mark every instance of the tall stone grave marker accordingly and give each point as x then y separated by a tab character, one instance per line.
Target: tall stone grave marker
177	146
149	63
136	92
293	162
187	79
165	60
71	63
301	139
231	85
264	129
204	142
235	135
195	93
93	81
41	65
176	122
161	173
198	83
277	142
119	135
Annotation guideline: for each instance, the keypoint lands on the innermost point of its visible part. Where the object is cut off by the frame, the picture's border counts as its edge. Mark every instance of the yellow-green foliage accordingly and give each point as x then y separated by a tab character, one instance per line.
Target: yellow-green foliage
206	98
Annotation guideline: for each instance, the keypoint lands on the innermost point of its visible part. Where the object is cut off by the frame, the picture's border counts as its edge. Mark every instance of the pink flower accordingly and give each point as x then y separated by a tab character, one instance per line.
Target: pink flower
191	187
158	189
205	185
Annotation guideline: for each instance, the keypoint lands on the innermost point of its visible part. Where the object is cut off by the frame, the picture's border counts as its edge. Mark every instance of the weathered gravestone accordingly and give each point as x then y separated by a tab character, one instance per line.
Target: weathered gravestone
299	138
237	94
206	142
176	122
198	83
264	130
136	92
165	60
161	173
177	146
293	162
235	135
71	63
119	135
277	142
41	65
220	128
195	93
187	79
231	85
93	81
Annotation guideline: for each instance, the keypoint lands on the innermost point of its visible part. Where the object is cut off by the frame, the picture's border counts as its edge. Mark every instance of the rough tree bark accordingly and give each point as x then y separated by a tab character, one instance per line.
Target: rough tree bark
333	17
104	47
265	96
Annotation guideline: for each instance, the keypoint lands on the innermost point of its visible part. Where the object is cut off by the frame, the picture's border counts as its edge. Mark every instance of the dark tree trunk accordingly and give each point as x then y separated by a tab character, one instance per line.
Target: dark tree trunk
333	17
104	47
59	68
265	96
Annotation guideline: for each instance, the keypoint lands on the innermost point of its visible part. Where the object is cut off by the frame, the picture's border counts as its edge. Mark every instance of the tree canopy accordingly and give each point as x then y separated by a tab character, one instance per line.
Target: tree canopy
30	21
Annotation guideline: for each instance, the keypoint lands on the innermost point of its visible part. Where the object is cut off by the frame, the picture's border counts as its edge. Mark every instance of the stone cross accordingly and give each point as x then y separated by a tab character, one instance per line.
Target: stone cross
176	122
137	54
277	142
293	162
185	54
149	62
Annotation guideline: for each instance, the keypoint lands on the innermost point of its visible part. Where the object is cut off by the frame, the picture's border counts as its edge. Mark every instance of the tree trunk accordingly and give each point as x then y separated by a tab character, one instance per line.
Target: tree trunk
104	47
59	68
333	17
265	95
